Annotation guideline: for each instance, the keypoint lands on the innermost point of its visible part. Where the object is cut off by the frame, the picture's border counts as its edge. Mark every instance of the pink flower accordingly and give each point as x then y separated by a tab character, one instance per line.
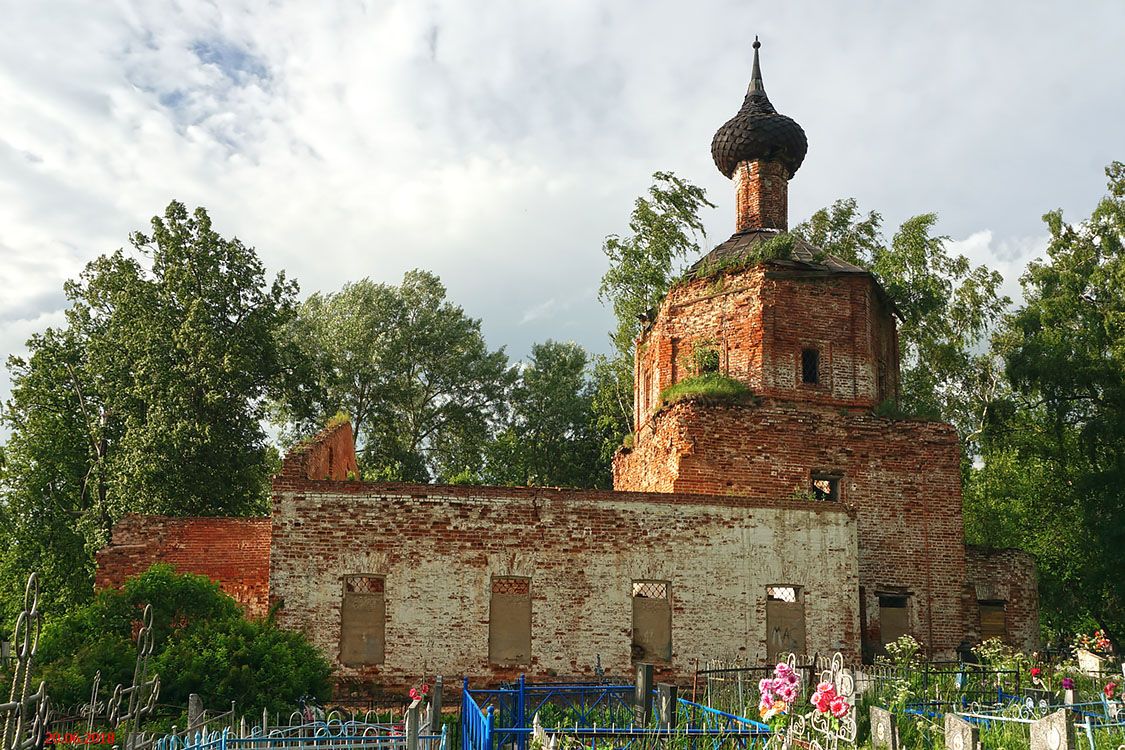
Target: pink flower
414	694
827	688
787	693
425	689
839	707
821	701
782	669
791	678
1110	688
765	686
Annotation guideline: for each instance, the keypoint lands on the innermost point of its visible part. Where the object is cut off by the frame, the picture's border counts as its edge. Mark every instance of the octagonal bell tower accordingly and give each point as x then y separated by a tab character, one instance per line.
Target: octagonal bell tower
765	307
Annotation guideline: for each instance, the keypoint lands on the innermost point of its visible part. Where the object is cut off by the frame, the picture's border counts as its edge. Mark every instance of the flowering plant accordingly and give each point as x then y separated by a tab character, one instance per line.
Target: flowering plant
419	693
1095	644
1067	683
778	694
826	701
1110	689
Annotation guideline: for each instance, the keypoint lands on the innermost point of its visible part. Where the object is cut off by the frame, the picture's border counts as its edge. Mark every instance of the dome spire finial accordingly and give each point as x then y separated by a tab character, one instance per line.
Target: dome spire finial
756	85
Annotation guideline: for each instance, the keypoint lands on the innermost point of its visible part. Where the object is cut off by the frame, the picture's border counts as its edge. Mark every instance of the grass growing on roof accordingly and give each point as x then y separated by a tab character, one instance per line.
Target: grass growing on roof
712	386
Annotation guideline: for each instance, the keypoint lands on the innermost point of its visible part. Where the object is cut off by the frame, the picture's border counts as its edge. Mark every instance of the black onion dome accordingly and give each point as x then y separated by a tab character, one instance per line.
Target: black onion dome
758	132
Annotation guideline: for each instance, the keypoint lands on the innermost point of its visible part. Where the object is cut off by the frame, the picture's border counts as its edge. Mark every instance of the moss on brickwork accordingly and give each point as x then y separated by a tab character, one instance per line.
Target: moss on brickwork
711	387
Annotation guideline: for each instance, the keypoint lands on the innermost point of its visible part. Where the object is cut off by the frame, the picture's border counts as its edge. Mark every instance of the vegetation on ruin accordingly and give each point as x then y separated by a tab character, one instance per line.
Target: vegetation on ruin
778	247
710	388
203	644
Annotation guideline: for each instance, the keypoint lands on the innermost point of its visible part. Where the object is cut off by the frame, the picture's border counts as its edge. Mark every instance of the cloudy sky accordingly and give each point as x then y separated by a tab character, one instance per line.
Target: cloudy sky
497	143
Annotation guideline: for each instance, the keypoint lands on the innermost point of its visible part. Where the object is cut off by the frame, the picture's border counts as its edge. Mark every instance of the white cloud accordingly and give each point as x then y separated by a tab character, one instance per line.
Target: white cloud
1009	256
497	144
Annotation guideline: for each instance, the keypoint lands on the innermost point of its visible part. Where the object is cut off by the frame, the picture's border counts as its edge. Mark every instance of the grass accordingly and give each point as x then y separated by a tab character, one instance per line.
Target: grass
712	387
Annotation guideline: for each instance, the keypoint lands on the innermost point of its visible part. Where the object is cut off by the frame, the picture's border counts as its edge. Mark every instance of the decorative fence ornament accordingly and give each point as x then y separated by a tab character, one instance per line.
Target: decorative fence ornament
95	707
142	694
815	730
25	715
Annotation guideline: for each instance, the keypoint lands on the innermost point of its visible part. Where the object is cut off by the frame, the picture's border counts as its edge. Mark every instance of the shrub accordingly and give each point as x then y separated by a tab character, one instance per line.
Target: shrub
251	662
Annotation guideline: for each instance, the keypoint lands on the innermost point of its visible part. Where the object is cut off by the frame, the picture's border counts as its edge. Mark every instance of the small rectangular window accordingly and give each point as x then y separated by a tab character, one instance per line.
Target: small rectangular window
826	487
652	621
509	621
363	616
993	620
810	366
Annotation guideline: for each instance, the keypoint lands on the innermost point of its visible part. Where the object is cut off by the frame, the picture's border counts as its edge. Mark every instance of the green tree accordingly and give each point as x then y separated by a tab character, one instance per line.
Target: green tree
410	368
550	439
149	399
664	229
1054	458
203	644
947	310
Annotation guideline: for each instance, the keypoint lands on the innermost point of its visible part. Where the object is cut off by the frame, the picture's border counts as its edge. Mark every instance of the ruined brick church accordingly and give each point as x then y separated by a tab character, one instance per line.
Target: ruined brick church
793	519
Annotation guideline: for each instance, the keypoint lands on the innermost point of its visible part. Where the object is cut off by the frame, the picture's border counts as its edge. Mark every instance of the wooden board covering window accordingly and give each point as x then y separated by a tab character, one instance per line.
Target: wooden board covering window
509	621
652	621
993	620
785	621
894	618
363	615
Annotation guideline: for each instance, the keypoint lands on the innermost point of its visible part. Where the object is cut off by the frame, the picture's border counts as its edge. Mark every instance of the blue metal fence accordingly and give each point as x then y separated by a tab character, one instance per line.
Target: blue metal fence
592	713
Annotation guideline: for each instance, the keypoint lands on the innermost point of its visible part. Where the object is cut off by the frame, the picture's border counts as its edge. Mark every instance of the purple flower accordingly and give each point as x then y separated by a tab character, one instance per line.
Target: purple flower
1067	683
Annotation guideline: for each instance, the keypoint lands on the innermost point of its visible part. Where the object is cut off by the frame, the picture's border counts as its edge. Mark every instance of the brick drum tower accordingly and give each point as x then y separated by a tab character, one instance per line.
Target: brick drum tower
814	338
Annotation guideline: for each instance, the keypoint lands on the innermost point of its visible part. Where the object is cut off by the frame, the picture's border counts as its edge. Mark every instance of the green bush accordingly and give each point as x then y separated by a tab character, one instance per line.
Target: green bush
203	644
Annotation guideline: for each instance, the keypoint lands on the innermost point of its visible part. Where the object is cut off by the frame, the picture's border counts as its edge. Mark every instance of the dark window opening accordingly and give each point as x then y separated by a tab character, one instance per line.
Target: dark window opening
810	366
825	487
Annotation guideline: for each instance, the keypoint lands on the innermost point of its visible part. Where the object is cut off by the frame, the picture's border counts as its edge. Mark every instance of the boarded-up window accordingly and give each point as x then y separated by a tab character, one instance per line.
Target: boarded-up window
652	621
993	620
894	617
785	621
363	615
509	621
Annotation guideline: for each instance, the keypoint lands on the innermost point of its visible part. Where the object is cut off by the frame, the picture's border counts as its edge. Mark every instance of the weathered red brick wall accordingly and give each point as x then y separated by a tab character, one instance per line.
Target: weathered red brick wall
760	320
438	546
235	552
330	454
841	316
902	477
1006	575
762	197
